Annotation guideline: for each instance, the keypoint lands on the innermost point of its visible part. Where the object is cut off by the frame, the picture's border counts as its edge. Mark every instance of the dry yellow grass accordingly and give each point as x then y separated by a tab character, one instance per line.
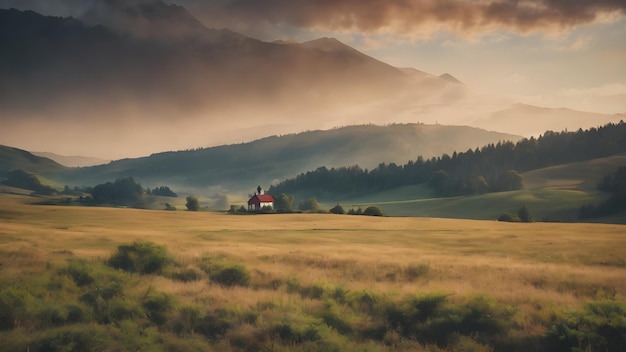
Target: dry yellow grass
539	268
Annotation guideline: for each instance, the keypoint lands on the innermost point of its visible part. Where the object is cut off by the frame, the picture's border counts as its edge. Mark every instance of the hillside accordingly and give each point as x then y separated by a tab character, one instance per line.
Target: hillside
13	158
241	167
491	168
73	160
529	120
553	193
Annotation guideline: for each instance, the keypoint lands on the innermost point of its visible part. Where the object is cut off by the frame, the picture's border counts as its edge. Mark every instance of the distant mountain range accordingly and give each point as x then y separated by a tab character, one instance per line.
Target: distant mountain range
149	75
141	76
269	160
530	120
72	161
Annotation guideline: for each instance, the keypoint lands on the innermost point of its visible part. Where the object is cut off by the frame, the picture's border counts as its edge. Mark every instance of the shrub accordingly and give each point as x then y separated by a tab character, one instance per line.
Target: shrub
373	211
293	335
75	338
236	275
157	305
601	326
506	217
140	257
185	275
212	326
310	205
337	209
14	306
81	273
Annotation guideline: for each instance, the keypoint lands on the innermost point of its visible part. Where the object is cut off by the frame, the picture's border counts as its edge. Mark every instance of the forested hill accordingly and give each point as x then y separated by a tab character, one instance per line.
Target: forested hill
482	170
267	160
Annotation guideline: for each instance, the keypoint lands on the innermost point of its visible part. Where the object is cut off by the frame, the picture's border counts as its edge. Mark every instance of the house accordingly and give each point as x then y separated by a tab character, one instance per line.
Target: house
260	200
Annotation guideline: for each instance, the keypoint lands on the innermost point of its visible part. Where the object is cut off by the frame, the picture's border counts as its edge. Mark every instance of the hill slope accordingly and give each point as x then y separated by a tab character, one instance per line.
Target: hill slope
554	193
13	159
243	166
531	120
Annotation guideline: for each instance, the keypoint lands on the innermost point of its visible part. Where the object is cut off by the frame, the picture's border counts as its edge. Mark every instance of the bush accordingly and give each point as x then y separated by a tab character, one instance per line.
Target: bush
506	217
310	205
185	275
157	305
81	273
337	209
601	326
140	257
236	275
373	211
75	338
14	305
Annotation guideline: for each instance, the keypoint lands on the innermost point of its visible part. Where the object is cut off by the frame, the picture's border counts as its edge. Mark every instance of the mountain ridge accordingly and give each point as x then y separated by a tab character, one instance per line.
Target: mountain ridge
274	158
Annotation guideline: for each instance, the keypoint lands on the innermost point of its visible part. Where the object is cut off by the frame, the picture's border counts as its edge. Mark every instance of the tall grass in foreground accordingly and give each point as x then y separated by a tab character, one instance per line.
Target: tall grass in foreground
102	305
304	282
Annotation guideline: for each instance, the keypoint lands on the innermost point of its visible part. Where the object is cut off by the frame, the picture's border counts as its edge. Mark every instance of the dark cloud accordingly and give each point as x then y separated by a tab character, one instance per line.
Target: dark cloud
406	17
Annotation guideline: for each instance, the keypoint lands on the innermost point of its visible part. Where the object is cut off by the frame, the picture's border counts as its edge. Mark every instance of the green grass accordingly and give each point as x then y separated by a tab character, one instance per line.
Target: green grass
551	194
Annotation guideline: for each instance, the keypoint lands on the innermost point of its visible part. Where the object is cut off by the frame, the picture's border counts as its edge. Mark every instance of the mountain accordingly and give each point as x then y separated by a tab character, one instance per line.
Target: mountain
17	159
241	166
450	78
122	74
72	161
531	120
144	18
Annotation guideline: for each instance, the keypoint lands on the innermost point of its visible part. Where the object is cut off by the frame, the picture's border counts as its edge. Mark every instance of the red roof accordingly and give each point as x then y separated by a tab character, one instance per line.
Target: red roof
263	198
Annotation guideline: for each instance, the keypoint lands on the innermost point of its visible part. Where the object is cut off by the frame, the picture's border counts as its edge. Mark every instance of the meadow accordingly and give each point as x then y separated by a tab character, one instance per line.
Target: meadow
89	278
551	194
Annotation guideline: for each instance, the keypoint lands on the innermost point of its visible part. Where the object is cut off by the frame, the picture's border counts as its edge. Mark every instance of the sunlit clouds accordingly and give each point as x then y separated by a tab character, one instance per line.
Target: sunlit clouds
409	17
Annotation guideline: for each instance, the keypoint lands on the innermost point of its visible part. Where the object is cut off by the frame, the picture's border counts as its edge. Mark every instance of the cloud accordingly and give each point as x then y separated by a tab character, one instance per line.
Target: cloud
577	45
409	17
613	89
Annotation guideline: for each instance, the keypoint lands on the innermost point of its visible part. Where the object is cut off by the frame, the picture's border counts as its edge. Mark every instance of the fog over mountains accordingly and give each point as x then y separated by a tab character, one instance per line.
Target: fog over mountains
129	78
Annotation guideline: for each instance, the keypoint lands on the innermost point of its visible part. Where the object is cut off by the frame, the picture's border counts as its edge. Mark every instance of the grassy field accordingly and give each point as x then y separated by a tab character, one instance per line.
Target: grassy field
551	194
316	282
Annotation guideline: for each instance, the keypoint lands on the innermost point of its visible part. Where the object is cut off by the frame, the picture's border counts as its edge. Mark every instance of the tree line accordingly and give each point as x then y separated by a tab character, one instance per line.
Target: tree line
492	168
615	185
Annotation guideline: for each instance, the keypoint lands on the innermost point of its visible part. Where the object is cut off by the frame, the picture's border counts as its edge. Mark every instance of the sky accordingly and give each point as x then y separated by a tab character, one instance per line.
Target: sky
550	53
547	53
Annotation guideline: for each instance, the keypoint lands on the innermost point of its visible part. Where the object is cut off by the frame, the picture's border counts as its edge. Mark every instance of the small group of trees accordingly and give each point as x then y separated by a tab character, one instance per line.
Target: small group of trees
126	191
523	215
370	211
615	185
162	191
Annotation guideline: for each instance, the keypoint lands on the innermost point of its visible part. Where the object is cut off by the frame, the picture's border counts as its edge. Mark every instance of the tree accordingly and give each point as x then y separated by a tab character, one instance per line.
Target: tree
337	209
510	181
439	180
373	211
122	191
309	204
192	203
162	191
283	203
524	215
